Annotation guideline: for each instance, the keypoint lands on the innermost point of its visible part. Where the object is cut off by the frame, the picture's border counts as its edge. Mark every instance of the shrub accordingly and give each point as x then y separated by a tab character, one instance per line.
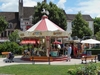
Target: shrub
87	69
9	46
72	72
94	51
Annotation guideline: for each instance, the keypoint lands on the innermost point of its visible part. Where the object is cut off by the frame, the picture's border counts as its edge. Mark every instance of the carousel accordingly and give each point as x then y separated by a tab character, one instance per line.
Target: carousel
43	36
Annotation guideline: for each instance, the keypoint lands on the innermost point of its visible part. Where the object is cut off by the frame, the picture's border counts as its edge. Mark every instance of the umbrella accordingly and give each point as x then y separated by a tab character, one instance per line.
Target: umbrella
91	41
56	42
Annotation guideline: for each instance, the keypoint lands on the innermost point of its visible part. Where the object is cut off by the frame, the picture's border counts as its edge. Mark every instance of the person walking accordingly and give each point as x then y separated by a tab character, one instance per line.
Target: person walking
69	52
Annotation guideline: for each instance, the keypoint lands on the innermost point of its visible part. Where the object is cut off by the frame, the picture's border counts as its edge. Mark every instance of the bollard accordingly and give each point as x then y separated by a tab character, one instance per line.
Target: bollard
33	62
49	60
98	57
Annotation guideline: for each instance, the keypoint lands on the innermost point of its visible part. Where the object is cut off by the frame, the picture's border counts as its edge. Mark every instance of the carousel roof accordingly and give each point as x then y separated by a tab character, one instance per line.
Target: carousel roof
45	25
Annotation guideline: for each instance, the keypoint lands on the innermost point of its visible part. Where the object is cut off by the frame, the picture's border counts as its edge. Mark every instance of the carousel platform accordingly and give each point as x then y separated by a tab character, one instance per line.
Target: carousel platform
43	58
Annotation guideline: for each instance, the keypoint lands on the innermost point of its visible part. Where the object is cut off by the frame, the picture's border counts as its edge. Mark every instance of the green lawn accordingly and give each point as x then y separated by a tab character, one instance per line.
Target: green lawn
31	69
34	69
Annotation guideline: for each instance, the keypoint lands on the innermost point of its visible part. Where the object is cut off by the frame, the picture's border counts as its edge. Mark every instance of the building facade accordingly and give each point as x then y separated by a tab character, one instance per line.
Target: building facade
71	17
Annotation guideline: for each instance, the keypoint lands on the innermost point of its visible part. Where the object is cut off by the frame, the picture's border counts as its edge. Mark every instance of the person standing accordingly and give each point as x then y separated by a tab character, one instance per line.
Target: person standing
66	50
75	49
69	52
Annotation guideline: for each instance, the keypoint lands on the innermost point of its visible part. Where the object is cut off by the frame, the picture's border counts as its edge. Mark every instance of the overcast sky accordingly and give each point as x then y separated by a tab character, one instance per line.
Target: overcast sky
91	7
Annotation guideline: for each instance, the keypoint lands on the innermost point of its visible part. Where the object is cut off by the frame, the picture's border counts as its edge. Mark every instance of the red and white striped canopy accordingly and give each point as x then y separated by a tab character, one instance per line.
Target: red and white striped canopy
45	25
28	41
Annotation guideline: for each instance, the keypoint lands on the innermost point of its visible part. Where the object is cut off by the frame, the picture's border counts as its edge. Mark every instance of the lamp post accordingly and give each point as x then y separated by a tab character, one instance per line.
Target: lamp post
33	62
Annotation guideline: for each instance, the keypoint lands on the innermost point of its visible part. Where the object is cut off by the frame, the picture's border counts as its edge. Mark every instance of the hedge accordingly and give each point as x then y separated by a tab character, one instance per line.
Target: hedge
94	51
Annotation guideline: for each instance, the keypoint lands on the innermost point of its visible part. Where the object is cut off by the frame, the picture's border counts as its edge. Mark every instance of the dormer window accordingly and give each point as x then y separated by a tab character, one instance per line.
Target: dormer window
10	26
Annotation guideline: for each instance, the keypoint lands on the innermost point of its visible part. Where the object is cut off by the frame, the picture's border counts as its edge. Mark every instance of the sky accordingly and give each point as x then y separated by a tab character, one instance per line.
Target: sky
88	7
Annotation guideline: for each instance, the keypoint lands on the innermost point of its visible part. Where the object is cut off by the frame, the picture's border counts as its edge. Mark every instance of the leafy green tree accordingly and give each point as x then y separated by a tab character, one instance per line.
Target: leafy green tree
80	27
96	25
98	35
3	24
9	46
14	37
56	14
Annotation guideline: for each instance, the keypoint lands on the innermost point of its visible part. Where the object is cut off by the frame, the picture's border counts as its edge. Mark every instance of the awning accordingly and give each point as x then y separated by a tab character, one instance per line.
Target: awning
28	42
91	41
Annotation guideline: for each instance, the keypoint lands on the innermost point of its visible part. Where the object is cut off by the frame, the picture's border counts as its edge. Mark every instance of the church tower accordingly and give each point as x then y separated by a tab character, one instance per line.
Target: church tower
20	9
45	1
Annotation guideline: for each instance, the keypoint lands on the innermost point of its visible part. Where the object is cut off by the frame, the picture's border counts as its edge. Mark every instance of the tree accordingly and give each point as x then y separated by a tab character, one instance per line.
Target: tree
3	24
96	25
80	27
56	14
98	35
14	37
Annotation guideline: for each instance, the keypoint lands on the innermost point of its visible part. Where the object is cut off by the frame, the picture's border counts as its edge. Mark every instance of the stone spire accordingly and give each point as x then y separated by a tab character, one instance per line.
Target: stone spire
45	1
20	8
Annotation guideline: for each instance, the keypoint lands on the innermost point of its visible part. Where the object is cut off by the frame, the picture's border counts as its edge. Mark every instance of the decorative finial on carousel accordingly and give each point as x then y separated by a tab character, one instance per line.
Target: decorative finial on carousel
45	12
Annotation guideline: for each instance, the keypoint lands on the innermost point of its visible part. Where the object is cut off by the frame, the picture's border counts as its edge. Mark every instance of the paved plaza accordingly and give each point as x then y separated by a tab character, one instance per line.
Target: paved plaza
17	60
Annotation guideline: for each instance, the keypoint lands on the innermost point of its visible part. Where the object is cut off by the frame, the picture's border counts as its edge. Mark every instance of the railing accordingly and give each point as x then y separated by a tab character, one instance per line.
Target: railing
3	39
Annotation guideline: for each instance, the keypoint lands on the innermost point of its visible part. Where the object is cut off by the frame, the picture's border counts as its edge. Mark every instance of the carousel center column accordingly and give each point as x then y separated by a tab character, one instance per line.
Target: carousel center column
47	45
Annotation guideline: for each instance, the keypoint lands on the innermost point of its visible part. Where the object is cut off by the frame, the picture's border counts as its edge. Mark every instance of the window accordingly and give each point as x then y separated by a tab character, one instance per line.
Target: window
10	26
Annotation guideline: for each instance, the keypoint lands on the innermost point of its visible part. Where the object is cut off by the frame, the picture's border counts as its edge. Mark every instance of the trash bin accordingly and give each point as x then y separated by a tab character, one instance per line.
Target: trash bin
98	57
54	53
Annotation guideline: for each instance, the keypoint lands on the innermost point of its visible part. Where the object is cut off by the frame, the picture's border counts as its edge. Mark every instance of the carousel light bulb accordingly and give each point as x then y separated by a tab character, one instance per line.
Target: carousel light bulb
43	40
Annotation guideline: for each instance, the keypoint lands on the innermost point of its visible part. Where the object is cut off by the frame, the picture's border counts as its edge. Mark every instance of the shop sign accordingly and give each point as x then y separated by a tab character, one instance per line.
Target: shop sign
57	33
37	33
22	34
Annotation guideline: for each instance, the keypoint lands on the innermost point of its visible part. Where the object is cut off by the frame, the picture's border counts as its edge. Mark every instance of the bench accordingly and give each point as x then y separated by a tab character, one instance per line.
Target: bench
41	58
91	57
4	54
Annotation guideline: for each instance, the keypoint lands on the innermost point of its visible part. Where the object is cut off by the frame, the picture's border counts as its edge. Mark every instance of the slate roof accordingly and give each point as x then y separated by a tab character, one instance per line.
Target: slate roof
12	17
28	11
72	16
